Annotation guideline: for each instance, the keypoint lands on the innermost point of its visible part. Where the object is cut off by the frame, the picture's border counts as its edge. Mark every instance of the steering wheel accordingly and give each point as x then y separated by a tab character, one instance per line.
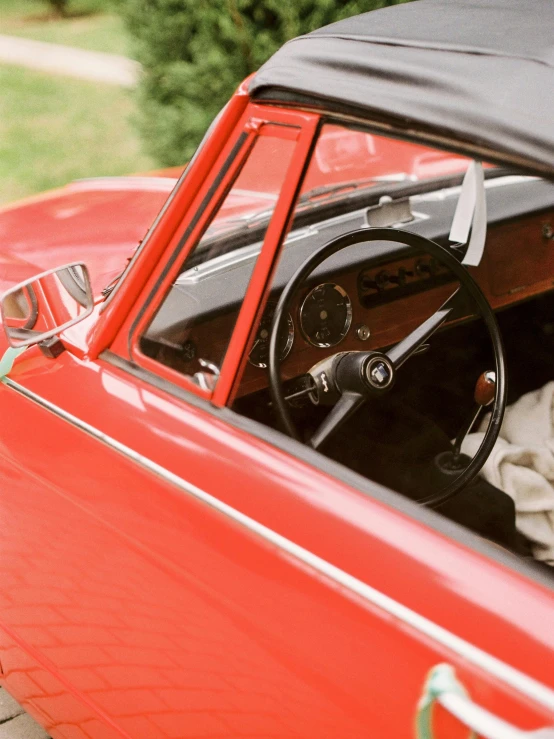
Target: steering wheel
353	376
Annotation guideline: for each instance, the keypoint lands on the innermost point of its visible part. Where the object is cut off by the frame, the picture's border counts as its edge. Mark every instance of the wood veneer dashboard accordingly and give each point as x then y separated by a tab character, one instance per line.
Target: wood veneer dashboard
518	263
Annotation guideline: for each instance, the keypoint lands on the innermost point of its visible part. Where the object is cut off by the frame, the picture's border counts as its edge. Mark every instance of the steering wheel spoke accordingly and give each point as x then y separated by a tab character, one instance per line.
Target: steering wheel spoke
411	343
347	404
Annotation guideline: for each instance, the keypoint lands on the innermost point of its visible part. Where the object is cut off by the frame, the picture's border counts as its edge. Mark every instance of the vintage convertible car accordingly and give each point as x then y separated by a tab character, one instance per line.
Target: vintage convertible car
254	477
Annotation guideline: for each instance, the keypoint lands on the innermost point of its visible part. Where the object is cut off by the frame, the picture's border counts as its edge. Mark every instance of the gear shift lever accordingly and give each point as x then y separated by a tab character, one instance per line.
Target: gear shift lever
485	388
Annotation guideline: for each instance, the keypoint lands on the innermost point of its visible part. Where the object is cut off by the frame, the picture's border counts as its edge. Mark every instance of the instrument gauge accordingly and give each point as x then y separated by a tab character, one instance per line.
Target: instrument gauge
326	315
259	354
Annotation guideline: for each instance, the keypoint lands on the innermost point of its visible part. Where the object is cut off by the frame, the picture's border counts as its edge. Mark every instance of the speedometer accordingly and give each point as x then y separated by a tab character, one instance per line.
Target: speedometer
259	354
326	315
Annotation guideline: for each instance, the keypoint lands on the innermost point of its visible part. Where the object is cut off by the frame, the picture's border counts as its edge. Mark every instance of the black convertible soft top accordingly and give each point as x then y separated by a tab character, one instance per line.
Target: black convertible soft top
477	71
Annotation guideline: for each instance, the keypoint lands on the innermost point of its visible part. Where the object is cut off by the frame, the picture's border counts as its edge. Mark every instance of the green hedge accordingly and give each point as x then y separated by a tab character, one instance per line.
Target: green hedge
195	53
58	6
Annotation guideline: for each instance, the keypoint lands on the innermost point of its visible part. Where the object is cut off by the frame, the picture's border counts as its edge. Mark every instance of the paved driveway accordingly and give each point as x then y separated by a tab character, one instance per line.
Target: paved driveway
90	65
15	723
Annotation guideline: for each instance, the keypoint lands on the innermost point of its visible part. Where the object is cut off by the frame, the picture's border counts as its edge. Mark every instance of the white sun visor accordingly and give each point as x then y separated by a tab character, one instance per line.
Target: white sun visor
471	215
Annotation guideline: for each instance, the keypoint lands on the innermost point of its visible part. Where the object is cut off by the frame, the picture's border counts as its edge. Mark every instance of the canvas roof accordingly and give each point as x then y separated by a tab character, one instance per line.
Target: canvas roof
474	71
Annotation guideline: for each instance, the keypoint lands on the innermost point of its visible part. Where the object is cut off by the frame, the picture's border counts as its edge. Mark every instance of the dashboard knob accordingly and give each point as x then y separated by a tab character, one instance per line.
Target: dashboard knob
400	278
382	279
426	268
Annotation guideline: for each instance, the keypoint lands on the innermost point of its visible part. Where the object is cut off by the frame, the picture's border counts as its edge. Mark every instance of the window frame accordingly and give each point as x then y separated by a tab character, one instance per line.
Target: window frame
256	121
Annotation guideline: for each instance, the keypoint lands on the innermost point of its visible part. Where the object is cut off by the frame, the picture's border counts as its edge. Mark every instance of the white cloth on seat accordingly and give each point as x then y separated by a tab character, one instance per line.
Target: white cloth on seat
522	465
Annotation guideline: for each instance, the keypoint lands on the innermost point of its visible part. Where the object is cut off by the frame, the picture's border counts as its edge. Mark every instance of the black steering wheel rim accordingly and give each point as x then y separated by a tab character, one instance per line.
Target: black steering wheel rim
420	243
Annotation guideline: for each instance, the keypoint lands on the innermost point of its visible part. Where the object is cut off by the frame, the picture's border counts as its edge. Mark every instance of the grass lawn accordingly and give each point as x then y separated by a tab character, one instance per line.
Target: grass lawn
56	129
92	24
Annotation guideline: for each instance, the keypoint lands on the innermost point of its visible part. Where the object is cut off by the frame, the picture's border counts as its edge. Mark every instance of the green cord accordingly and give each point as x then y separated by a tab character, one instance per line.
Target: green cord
6	363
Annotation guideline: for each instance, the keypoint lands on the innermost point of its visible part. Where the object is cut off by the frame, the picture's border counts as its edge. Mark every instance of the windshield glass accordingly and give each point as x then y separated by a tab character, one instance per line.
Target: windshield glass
344	162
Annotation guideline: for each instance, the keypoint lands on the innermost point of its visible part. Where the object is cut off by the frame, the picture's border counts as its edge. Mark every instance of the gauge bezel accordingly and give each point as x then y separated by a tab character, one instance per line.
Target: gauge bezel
347	323
290	338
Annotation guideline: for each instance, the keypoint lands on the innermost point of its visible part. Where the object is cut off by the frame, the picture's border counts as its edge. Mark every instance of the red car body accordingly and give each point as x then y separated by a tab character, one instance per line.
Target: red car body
169	571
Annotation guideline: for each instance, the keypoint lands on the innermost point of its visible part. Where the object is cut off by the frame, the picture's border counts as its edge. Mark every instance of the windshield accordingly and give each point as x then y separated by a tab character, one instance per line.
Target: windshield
344	162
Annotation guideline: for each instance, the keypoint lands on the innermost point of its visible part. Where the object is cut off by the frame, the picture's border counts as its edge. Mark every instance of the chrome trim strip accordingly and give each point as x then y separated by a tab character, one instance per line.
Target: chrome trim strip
517	680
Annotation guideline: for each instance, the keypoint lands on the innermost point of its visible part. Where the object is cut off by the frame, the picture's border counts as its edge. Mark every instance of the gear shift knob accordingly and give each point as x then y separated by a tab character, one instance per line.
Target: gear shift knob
485	388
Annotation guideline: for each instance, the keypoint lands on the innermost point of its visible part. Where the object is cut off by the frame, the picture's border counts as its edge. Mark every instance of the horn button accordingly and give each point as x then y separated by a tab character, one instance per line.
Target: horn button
361	372
379	372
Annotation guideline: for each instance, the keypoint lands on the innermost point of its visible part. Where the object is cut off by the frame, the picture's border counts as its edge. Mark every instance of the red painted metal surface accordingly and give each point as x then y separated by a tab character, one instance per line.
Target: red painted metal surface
131	609
101	221
132	605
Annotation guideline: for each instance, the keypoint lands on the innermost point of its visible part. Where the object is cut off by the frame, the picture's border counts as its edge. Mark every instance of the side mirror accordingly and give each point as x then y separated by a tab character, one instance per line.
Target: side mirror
60	297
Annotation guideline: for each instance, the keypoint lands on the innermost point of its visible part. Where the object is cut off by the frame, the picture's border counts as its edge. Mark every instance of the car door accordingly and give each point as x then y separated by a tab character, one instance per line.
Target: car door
171	569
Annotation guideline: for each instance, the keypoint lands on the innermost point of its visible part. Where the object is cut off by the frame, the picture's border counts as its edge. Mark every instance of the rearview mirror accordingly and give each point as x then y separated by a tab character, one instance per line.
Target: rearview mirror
61	297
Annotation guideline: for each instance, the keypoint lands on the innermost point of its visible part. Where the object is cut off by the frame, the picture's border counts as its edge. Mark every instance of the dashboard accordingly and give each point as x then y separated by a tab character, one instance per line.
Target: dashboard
358	303
378	305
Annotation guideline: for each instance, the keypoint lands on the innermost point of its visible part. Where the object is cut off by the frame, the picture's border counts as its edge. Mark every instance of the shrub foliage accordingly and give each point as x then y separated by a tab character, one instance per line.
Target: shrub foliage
59	7
195	53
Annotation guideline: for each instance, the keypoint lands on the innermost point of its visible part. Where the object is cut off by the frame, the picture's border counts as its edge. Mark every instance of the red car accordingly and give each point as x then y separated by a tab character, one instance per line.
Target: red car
247	477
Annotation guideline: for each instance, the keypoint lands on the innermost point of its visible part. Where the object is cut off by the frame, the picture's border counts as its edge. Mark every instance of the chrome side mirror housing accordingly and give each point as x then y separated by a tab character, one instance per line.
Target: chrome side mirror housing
59	297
